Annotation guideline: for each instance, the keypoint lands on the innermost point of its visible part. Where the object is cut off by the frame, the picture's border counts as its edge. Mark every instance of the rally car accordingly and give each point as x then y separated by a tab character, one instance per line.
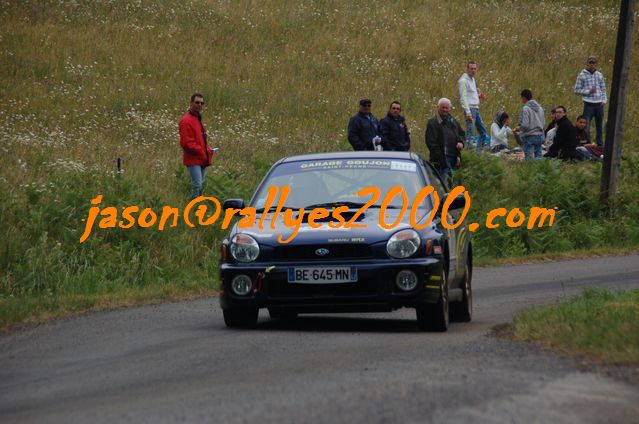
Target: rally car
395	253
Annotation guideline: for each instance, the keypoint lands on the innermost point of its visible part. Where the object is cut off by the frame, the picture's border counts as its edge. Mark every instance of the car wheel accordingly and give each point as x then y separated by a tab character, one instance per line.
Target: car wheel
463	311
434	317
241	318
283	314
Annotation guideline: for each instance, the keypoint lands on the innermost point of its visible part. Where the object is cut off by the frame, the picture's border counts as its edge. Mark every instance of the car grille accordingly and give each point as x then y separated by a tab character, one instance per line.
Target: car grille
281	288
335	251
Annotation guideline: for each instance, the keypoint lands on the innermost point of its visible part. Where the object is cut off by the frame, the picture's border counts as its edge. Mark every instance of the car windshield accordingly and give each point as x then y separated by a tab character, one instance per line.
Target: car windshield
328	183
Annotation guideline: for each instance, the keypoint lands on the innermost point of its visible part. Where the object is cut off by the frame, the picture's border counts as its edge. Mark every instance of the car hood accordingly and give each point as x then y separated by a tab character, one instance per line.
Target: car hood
371	233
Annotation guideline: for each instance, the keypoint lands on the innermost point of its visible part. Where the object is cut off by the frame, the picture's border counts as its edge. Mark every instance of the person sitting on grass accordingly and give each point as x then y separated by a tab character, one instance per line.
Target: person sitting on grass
565	143
551	130
585	147
499	131
591	151
583	136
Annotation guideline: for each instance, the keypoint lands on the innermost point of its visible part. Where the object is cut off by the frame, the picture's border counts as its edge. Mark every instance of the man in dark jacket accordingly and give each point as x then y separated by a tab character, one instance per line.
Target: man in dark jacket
196	153
445	139
565	143
394	131
363	128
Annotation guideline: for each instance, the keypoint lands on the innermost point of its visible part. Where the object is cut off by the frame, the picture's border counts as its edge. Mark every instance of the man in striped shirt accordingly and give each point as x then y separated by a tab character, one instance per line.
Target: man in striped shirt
590	85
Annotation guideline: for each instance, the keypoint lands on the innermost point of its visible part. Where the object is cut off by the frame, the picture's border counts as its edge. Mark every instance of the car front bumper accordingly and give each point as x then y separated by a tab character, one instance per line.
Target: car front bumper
375	289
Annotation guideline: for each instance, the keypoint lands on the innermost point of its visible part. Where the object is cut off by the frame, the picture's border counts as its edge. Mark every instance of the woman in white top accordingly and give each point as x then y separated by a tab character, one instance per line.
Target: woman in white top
499	131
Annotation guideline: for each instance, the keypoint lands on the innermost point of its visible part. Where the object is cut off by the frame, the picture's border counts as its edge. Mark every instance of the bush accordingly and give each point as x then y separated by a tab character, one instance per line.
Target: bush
581	222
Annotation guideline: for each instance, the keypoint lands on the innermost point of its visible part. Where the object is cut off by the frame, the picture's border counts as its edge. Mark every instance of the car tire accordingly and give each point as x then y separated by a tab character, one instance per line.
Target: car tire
434	317
463	311
282	314
241	318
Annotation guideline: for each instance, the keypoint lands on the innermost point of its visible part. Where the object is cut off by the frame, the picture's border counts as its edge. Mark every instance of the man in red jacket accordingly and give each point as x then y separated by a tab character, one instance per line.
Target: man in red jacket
196	152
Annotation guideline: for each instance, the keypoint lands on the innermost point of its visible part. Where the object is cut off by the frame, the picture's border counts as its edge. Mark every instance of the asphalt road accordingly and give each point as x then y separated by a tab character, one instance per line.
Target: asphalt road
178	363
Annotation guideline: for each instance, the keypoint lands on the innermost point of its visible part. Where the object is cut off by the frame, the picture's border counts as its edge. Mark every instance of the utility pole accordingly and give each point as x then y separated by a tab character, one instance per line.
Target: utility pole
617	104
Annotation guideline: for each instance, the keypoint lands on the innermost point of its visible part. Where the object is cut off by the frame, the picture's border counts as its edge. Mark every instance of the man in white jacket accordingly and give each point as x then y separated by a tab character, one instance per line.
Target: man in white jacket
469	98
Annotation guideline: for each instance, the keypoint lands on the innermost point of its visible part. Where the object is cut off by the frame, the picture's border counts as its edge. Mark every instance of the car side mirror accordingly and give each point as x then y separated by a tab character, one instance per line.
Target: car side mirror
233	203
458	203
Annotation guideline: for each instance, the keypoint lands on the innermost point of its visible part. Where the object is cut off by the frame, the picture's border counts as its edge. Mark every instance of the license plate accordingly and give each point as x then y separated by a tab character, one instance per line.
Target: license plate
316	275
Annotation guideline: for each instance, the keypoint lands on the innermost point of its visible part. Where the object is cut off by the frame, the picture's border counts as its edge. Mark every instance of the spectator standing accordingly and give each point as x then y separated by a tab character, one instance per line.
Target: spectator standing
196	153
469	98
394	131
531	125
444	139
363	128
565	144
590	85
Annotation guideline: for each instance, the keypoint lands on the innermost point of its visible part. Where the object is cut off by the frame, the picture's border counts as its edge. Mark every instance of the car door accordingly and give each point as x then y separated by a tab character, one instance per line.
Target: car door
452	216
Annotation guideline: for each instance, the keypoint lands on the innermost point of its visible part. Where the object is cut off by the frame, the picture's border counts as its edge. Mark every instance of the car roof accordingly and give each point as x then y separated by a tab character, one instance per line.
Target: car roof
351	155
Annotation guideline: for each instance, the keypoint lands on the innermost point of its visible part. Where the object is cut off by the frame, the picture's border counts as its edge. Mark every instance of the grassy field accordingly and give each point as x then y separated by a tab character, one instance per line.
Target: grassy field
86	82
599	325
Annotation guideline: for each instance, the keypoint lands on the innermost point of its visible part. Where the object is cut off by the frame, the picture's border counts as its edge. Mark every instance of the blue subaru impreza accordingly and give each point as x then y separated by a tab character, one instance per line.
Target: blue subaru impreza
317	236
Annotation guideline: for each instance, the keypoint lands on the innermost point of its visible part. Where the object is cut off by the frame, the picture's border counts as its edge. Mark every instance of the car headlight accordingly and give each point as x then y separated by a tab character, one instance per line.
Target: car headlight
244	248
403	244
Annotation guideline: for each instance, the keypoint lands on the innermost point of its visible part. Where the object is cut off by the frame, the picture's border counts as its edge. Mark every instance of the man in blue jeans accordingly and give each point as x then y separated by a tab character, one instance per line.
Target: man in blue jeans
531	125
469	98
590	85
196	152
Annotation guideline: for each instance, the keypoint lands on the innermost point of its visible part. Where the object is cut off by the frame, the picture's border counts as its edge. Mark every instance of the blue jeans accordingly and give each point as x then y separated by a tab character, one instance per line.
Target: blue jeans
584	153
595	111
197	173
479	124
532	146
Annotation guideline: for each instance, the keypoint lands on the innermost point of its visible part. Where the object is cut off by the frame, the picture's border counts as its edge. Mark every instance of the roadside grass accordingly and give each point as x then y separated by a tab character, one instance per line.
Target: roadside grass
486	261
84	83
15	311
600	325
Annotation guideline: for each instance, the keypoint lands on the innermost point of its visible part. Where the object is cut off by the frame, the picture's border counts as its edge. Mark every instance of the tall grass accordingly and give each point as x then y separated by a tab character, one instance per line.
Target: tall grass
581	221
85	82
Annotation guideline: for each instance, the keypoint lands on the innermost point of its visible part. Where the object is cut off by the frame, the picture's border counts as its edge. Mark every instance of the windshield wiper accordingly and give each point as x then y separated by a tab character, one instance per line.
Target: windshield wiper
272	208
353	205
335	204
